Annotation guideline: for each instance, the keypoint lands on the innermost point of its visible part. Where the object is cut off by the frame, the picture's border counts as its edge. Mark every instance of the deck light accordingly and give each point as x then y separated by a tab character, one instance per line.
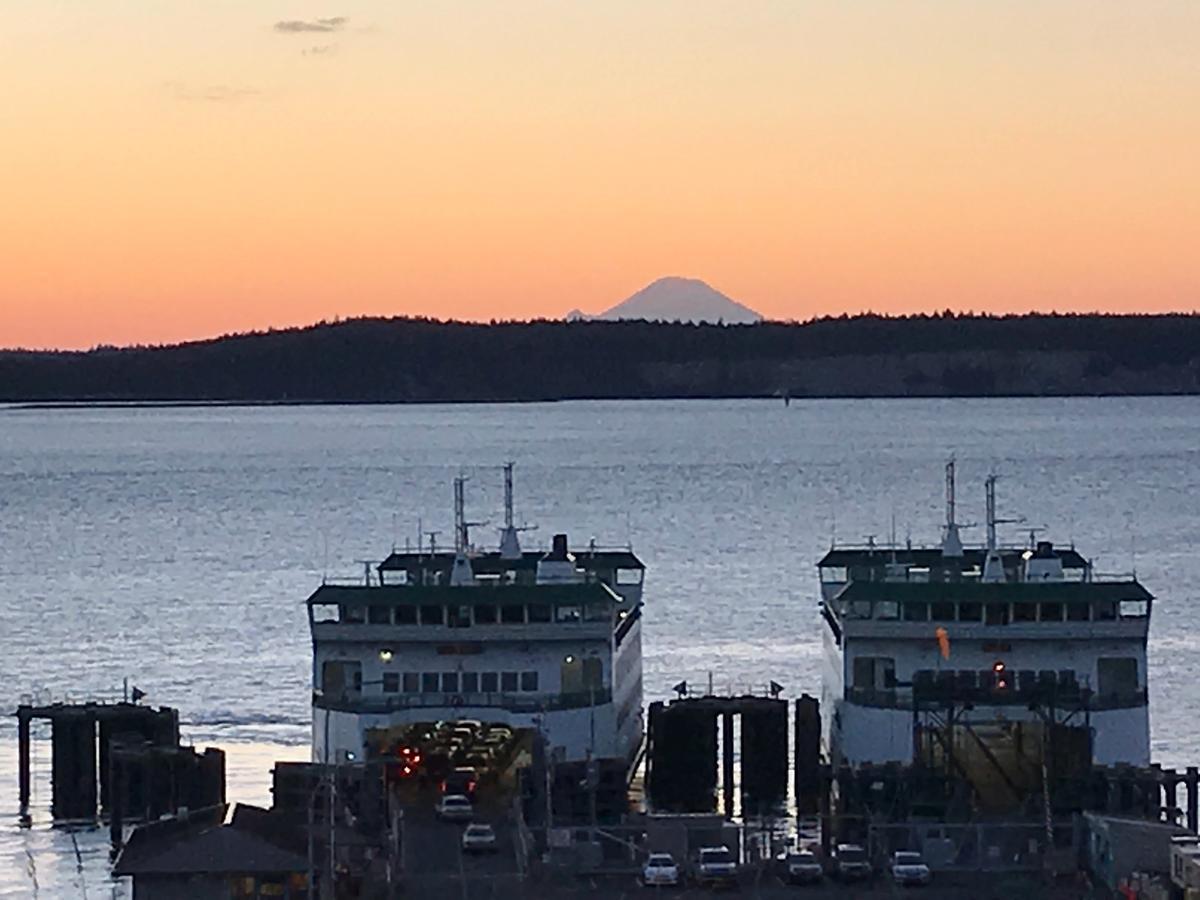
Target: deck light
385	655
1001	675
568	659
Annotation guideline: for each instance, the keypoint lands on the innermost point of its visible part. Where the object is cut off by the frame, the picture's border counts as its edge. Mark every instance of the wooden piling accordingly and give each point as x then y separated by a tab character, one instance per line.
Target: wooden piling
23	774
1192	786
727	762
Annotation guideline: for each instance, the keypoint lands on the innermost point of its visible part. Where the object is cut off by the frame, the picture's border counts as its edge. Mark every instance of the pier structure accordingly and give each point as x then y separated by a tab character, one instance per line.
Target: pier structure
683	753
122	760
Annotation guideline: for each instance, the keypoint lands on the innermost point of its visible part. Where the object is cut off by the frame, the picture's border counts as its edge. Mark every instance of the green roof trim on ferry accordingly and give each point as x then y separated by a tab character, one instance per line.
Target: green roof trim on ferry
993	592
551	594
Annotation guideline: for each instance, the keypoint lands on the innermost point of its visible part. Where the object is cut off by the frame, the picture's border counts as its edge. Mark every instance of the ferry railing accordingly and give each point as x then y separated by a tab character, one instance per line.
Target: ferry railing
523	703
902	698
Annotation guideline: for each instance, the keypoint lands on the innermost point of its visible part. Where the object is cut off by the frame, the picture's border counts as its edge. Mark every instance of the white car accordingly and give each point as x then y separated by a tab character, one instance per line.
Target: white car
803	867
478	838
715	865
660	870
455	808
909	868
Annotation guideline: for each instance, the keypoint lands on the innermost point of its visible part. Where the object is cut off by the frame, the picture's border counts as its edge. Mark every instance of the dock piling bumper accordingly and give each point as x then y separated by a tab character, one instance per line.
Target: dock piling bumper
23	775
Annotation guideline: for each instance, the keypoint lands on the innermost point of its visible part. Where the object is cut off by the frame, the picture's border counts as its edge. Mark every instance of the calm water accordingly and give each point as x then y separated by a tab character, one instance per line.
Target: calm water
176	547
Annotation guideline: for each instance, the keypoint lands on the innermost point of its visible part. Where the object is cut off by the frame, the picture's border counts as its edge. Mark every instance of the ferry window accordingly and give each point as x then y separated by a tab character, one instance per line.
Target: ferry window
568	614
429	682
460	616
508	682
916	612
354	615
1077	612
887	609
593	673
324	612
629	576
833	574
529	681
405	615
379	615
539	612
485	614
597	612
1052	612
859	609
1024	612
357	677
391	682
996	613
1133	609
874	672
1117	675
1106	611
970	612
571	674
333	678
489	682
450	682
943	611
512	613
412	682
433	615
470	682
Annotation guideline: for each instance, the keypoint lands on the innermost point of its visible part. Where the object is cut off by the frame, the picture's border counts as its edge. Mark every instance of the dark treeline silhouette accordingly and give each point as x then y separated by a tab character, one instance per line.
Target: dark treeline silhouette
405	360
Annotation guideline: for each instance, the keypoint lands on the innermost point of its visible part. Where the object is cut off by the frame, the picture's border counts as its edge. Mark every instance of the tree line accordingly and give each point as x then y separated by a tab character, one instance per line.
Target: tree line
416	359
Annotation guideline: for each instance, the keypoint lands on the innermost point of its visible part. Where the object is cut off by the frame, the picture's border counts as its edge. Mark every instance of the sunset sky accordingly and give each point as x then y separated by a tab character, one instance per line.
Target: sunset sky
175	170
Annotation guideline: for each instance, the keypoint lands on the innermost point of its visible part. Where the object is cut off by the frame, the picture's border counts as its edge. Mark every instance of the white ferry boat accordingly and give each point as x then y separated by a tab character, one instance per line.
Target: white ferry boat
541	640
1013	657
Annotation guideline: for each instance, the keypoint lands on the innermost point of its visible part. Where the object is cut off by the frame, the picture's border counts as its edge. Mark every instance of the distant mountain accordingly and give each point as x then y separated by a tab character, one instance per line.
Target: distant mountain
676	299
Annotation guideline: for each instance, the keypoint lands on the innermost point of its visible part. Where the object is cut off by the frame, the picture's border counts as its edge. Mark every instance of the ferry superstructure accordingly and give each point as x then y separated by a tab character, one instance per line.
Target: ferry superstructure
545	640
1009	645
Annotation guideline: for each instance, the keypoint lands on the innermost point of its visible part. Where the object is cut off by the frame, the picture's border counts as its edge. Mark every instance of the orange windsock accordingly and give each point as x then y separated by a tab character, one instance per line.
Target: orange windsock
943	639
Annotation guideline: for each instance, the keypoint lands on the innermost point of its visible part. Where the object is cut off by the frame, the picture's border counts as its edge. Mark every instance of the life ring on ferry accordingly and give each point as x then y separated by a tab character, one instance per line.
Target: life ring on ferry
456	700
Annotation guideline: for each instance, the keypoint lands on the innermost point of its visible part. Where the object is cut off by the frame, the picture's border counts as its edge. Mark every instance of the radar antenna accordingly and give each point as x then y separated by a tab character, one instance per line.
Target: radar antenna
510	544
993	566
951	541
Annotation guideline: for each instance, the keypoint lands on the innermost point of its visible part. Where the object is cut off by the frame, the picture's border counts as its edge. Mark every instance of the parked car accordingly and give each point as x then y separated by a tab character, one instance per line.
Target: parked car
660	869
455	808
909	868
803	867
479	838
715	866
850	863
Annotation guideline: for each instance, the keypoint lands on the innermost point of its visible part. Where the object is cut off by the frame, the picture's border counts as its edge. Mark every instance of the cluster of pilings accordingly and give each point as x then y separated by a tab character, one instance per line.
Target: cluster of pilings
120	759
683	753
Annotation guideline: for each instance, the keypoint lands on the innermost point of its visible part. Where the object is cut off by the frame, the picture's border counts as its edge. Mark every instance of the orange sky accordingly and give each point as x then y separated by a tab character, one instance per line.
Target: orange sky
177	170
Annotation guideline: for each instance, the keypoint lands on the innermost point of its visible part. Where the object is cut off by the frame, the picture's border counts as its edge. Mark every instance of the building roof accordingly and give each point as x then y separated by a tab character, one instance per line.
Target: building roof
931	557
993	592
213	841
554	594
492	563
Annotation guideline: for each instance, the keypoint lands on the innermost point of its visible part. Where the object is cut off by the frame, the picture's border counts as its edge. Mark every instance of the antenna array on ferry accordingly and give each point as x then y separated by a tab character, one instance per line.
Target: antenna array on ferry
460	515
461	573
951	542
510	545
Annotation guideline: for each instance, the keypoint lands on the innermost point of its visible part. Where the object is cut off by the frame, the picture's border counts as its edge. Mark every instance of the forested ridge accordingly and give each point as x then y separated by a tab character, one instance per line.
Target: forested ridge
423	360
